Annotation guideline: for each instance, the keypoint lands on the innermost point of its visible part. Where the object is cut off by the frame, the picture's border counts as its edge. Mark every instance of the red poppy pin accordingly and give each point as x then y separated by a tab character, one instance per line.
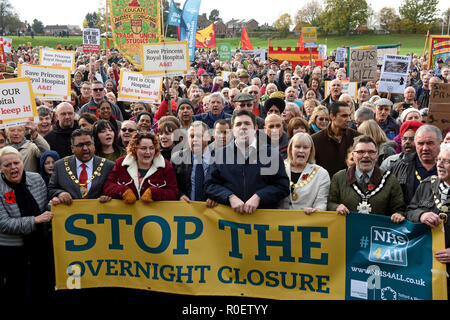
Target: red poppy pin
370	187
304	176
10	197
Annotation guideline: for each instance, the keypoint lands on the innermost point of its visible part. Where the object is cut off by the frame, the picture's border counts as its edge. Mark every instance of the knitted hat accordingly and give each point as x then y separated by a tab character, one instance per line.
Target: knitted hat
277	94
414	125
408	111
185	101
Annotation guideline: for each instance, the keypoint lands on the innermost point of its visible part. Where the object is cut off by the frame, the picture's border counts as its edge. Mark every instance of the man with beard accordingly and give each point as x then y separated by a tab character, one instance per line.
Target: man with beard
333	142
417	166
434	211
80	176
261	181
364	187
407	132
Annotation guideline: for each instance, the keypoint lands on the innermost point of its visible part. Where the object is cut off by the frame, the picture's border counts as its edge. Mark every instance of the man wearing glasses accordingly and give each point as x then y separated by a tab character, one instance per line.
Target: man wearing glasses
364	187
98	95
81	175
244	101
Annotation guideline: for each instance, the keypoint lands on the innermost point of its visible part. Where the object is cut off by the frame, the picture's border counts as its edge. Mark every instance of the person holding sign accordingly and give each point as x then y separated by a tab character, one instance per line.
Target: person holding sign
23	223
435	211
31	150
143	174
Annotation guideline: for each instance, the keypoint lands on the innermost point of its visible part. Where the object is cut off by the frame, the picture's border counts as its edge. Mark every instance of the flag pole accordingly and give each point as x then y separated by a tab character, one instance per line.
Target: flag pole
167	84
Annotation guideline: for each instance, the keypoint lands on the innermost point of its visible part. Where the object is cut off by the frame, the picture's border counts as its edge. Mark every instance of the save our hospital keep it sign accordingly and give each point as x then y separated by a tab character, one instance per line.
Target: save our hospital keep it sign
17	102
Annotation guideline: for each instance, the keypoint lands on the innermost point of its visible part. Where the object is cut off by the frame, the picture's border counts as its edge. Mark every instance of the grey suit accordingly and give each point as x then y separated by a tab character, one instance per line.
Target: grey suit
60	180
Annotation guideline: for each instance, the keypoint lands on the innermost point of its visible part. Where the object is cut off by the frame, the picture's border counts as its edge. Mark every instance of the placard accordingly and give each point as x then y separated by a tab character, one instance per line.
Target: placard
439	106
363	64
57	58
48	83
340	55
394	73
347	87
224	50
135	86
165	59
323	51
309	37
91	40
17	102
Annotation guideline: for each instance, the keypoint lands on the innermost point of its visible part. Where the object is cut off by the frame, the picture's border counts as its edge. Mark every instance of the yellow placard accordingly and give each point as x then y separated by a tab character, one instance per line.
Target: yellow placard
309	34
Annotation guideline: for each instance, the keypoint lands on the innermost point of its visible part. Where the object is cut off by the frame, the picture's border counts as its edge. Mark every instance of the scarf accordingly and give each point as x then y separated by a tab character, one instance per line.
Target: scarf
24	199
18	145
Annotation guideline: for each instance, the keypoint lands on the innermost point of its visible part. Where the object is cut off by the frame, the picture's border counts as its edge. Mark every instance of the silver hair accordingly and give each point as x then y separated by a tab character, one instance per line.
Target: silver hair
218	94
445	147
364	112
429	128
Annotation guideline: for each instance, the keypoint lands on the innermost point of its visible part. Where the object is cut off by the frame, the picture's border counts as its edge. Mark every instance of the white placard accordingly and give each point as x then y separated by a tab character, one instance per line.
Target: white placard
394	73
91	40
165	59
57	58
347	87
340	54
48	83
135	86
17	102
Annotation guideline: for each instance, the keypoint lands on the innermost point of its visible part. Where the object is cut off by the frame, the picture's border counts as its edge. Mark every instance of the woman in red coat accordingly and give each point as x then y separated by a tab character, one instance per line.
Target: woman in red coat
143	173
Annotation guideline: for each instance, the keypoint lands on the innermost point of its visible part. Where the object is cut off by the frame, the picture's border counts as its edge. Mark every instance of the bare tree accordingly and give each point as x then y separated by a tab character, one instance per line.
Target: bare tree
309	13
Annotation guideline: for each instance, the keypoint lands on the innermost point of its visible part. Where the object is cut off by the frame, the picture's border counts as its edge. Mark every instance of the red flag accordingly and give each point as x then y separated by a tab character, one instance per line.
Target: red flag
246	44
300	41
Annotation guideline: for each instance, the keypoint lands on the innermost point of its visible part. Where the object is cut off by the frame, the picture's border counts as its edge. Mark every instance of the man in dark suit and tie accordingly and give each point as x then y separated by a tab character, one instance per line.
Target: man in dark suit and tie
80	176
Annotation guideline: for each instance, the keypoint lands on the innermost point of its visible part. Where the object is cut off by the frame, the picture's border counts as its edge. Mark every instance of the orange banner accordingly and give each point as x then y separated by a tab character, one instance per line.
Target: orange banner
246	44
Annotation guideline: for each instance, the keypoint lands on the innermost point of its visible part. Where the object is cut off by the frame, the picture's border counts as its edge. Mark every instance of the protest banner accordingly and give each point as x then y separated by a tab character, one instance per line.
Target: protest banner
183	248
394	73
340	55
224	51
188	25
439	106
17	102
309	37
439	47
174	18
206	38
363	64
347	87
2	54
49	83
137	87
261	53
91	40
295	56
134	23
165	59
57	58
385	49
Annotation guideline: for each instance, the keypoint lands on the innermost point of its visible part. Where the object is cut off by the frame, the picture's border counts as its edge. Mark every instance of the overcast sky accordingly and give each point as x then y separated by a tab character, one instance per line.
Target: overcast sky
264	11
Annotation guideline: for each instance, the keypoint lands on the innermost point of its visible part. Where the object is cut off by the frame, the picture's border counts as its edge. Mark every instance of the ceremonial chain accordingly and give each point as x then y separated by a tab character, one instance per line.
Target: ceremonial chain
439	204
417	176
94	174
364	206
303	183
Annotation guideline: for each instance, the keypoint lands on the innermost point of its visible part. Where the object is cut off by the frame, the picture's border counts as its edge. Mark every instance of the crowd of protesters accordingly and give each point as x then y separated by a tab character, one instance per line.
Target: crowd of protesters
371	153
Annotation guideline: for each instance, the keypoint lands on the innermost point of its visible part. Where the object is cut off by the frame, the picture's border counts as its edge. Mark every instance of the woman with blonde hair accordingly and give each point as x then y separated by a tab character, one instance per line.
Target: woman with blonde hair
385	146
319	119
345	97
309	182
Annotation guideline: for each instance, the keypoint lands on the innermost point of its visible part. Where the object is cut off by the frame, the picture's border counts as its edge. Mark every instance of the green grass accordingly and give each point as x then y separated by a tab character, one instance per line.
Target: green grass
410	42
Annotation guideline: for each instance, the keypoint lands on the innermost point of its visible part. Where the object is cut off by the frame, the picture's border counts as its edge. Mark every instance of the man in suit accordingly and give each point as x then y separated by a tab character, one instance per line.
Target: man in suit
80	176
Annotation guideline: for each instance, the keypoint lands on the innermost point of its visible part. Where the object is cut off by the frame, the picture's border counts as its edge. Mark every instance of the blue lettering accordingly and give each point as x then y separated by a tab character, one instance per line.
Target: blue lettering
182	235
165	238
89	235
115	229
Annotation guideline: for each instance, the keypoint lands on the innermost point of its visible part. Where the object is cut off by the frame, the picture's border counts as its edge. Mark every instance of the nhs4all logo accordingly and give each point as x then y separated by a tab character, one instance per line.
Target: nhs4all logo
388	246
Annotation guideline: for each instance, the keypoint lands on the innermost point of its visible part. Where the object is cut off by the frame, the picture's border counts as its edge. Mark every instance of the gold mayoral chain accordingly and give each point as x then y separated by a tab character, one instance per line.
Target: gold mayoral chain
443	209
83	187
303	183
418	176
364	205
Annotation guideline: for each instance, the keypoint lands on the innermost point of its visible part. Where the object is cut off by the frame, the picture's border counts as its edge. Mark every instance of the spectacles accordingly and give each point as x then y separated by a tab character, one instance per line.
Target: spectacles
249	104
98	89
363	152
323	119
127	130
444	161
82	144
407	138
253	92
